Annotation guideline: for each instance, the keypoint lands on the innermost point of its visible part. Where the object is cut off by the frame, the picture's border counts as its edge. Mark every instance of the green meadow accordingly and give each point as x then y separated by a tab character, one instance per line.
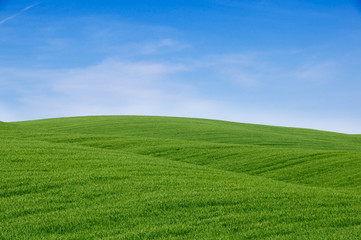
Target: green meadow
137	177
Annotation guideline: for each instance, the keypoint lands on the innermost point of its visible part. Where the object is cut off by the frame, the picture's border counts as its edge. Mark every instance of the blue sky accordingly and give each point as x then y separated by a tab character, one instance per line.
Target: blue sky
286	63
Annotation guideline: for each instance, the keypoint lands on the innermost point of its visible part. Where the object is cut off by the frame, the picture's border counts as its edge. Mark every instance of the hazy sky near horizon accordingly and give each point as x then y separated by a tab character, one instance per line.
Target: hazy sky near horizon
286	63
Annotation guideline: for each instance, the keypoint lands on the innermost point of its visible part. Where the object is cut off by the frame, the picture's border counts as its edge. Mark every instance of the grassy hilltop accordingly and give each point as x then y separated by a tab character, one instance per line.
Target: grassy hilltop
132	177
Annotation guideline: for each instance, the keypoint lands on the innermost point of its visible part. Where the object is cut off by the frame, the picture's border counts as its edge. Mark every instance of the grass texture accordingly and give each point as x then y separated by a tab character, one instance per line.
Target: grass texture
133	177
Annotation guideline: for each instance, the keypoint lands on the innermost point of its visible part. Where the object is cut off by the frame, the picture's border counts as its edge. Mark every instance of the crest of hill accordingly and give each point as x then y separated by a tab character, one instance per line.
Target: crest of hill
3	125
199	130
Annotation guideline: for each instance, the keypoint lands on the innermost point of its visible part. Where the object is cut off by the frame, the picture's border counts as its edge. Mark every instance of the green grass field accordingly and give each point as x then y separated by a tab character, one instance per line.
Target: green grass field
132	177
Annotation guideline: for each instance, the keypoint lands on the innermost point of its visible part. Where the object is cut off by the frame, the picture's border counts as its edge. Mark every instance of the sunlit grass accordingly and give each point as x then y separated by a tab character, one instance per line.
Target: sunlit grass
173	178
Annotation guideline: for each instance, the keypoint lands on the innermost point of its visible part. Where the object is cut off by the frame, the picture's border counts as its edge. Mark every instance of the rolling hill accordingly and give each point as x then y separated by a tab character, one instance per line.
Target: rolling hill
137	177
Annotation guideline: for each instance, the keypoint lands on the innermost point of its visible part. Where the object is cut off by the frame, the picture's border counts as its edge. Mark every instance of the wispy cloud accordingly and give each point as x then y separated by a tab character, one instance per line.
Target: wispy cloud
142	88
152	48
319	72
18	13
111	87
155	87
268	69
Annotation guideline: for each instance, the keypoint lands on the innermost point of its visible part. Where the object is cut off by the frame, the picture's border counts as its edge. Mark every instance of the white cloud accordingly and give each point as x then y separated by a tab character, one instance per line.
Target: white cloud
244	70
166	44
111	87
117	82
257	69
117	87
319	72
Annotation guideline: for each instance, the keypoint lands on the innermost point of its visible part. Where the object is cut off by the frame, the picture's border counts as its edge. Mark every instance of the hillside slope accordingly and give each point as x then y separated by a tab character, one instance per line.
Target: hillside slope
129	177
289	154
